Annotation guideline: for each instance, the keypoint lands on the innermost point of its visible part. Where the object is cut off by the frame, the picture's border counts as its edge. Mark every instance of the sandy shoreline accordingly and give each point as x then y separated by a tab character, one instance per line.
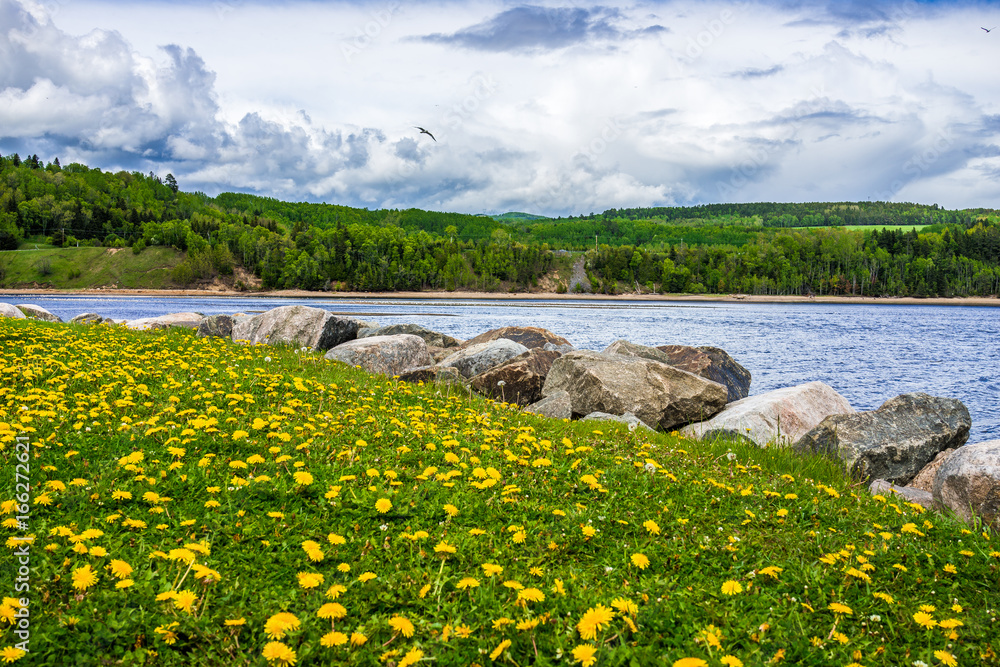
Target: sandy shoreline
533	296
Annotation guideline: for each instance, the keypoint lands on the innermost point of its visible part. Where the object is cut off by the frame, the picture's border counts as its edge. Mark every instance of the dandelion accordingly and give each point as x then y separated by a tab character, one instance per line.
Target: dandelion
640	561
946	658
309	580
383	505
731	661
276	651
594	620
402	625
490	569
924	619
731	587
690	662
412	657
334	639
530	595
332	610
120	569
625	606
12	653
838	608
451	510
444	548
585	654
652	527
302	478
498	651
84	578
367	576
278	625
467	582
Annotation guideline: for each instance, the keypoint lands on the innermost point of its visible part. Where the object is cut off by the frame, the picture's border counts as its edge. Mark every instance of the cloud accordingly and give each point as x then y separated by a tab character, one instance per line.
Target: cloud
531	28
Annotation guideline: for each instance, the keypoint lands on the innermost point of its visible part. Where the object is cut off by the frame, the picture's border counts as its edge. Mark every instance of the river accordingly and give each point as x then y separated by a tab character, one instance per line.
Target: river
868	353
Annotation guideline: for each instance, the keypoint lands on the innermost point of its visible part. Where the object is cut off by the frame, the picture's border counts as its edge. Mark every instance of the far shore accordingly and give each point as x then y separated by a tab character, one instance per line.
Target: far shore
504	296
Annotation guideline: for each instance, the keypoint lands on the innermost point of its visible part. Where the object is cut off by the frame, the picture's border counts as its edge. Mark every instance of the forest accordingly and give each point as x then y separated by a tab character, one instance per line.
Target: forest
755	248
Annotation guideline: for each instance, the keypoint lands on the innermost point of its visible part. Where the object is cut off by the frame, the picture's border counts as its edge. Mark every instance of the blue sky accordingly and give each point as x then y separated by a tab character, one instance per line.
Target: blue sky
556	107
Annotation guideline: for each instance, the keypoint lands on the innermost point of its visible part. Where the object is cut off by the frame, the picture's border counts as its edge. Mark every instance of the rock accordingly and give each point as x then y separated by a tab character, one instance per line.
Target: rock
475	359
781	416
893	442
439	354
529	337
298	326
556	406
185	320
657	394
432	338
561	349
522	377
87	318
7	310
628	419
386	355
216	326
442	374
36	312
907	493
968	483
712	363
925	478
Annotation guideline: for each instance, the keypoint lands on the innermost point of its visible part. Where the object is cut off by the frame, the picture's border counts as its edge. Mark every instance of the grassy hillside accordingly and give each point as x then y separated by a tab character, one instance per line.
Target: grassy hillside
197	502
77	268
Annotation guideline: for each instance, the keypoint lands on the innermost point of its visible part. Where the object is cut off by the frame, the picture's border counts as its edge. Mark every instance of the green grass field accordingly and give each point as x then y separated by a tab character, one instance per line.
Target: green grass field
195	502
78	268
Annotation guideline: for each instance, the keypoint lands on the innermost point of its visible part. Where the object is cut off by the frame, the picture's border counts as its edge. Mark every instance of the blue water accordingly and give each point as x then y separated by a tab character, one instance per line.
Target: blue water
868	353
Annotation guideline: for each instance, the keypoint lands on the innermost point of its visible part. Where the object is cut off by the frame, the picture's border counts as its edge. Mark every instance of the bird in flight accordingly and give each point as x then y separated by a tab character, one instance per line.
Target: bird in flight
988	29
423	131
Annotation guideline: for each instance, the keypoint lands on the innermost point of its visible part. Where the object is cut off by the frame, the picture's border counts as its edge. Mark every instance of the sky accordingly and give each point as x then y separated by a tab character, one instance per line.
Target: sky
554	108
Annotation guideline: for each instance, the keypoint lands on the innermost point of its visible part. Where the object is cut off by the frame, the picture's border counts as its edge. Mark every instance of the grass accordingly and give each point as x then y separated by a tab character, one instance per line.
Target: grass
79	268
196	502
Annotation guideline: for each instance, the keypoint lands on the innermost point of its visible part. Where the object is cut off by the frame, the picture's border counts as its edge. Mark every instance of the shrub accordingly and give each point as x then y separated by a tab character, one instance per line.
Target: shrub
139	246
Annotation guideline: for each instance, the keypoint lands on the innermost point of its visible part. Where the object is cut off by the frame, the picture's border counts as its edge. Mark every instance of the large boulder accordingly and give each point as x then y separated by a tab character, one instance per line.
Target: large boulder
925	478
87	318
185	320
518	380
781	416
216	326
893	442
7	310
298	326
555	406
530	337
386	355
440	374
658	394
968	482
475	359
432	338
629	419
713	363
37	312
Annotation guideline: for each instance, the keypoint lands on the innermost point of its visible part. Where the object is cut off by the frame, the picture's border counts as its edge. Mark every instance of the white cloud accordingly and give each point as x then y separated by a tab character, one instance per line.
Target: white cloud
556	108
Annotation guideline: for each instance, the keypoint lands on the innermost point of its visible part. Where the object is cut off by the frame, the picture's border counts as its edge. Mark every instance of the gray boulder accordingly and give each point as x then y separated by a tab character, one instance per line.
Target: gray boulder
781	416
386	355
475	359
7	310
712	363
561	349
185	320
440	374
518	380
555	406
656	393
925	478
87	318
216	326
907	493
628	419
432	338
529	337
968	483
37	312
893	442
298	326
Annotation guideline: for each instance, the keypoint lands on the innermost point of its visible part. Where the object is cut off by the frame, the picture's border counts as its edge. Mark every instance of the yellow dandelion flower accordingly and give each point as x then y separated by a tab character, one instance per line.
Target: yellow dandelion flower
498	651
358	639
332	610
585	654
652	527
690	662
367	576
309	579
279	653
383	505
640	561
731	661
839	608
84	578
490	569
594	620
946	658
334	639
451	510
732	587
302	478
924	619
402	625
467	582
412	657
120	569
12	654
281	623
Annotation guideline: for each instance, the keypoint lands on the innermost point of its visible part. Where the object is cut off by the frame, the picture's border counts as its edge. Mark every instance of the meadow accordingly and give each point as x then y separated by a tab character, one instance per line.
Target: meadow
198	502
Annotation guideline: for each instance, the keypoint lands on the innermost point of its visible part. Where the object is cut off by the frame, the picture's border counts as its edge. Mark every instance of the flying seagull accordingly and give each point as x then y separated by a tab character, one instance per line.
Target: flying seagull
988	29
423	131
